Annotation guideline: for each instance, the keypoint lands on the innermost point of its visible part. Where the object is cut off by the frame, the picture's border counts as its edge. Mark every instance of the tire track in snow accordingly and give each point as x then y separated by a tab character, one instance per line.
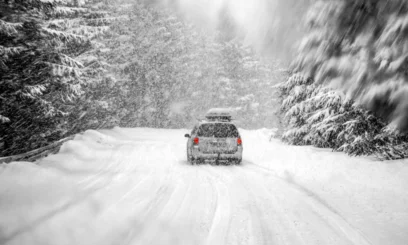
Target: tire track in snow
163	215
130	191
290	234
321	208
222	215
115	158
203	207
135	201
257	229
154	206
175	218
270	220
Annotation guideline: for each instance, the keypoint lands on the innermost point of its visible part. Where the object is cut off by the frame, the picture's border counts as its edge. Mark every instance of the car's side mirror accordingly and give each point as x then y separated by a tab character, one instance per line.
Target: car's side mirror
187	136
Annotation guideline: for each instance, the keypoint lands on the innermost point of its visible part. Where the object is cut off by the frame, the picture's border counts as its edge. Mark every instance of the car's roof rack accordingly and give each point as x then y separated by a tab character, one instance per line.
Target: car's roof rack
211	120
219	119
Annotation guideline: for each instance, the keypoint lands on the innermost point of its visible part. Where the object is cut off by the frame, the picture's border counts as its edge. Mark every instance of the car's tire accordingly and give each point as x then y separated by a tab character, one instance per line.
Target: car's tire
197	161
190	159
194	161
188	155
238	162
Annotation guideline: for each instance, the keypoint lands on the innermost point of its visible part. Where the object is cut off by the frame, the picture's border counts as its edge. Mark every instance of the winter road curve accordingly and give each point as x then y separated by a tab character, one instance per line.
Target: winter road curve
134	186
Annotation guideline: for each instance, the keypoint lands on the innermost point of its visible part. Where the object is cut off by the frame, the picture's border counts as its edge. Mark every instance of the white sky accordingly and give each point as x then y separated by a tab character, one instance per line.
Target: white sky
245	12
264	23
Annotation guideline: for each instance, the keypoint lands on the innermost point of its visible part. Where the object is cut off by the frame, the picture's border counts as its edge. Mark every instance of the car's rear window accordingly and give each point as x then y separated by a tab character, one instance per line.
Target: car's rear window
218	130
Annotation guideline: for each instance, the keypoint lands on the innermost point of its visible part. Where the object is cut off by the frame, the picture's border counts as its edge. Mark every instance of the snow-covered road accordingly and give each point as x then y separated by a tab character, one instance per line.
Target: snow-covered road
134	186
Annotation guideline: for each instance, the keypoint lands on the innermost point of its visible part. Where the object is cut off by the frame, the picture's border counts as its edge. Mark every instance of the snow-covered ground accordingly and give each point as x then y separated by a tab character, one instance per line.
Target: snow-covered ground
134	186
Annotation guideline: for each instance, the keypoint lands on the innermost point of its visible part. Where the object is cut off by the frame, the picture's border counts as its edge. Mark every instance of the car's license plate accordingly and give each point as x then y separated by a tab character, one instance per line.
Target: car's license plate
218	144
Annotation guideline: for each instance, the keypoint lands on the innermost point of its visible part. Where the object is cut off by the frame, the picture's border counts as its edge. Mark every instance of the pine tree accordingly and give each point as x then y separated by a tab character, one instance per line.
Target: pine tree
353	97
40	77
320	116
359	47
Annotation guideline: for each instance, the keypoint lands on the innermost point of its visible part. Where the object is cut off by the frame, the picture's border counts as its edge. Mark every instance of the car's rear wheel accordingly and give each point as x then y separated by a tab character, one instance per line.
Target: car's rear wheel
237	162
192	160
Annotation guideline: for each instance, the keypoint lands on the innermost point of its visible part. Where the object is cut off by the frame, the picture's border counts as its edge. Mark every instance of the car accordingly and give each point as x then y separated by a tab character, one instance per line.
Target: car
215	139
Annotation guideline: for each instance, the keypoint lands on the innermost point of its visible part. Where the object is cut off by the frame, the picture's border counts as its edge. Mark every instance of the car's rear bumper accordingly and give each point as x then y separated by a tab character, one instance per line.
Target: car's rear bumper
196	154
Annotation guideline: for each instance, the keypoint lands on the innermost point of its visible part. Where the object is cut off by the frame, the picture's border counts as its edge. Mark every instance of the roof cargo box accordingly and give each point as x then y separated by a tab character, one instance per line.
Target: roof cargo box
219	114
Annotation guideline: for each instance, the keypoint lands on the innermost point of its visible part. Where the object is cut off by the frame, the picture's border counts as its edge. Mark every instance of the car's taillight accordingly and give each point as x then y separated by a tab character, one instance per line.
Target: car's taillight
239	141
196	141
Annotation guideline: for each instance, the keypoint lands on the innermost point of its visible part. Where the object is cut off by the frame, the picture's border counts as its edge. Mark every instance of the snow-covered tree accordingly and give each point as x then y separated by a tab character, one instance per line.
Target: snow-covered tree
68	66
170	74
354	97
320	116
360	48
40	77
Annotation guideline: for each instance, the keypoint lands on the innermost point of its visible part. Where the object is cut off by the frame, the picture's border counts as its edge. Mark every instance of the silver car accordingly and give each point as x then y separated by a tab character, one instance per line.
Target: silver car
214	140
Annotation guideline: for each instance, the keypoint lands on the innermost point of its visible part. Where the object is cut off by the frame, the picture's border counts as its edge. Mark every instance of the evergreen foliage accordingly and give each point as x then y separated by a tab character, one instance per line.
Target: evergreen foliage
68	66
166	74
360	48
354	97
40	77
319	116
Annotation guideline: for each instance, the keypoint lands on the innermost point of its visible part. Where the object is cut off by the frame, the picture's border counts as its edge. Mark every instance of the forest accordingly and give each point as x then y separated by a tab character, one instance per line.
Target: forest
73	65
70	66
